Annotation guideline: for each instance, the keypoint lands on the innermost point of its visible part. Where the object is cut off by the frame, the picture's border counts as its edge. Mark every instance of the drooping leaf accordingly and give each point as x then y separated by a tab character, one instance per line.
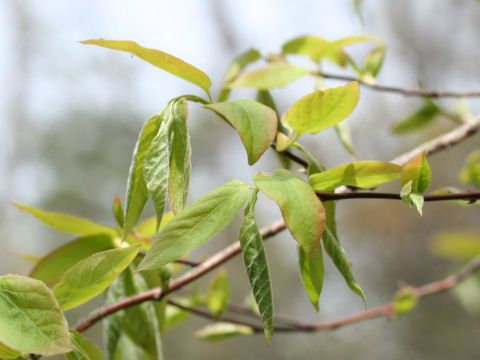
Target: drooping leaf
219	294
235	68
9	353
312	272
30	317
362	174
404	301
255	260
180	150
424	116
374	60
222	331
84	348
92	275
255	123
67	223
164	61
343	132
323	108
302	211
470	173
275	74
52	266
196	224
137	192
461	244
118	211
156	167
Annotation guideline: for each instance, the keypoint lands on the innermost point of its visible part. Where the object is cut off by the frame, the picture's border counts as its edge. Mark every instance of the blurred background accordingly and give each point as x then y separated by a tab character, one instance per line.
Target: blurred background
70	116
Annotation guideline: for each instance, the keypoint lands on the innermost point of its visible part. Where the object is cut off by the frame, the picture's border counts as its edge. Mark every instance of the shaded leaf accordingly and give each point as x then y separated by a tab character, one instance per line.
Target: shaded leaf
323	108
117	210
196	224
158	58
461	244
84	348
219	294
255	260
92	275
362	174
470	173
301	209
51	267
222	331
343	132
174	315
9	353
255	123
312	272
31	319
424	116
67	223
275	74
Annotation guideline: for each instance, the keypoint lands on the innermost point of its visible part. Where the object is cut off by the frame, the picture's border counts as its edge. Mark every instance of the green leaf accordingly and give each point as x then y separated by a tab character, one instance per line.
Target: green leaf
180	150
31	319
424	116
461	244
9	353
174	315
221	331
92	275
67	223
323	108
404	301
418	172
137	192
147	228
374	60
196	224
312	271
343	132
335	251
219	294
156	167
255	260
52	266
118	211
255	123
235	68
164	61
275	74
84	348
362	174
470	173
302	211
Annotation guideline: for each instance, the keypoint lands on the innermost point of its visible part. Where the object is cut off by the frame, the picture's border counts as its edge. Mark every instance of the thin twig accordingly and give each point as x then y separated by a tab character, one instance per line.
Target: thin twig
469	195
402	91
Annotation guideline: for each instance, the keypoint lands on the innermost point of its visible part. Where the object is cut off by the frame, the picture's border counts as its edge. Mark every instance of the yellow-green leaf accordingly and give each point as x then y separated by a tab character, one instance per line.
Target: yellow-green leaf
255	123
302	211
470	173
160	59
312	272
276	74
404	301
9	353
418	172
419	119
459	244
222	331
148	227
362	174
84	348
323	108
219	293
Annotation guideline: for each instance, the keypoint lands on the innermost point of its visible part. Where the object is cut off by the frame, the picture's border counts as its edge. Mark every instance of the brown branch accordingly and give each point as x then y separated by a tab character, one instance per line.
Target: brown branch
469	195
402	91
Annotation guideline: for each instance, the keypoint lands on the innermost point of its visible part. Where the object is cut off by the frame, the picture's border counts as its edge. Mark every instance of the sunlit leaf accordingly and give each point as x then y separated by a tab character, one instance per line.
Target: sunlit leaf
323	108
255	123
374	60
418	171
137	192
470	173
92	275
275	74
158	58
255	260
362	174
118	211
196	224
404	301
51	267
30	317
312	272
84	348
219	294
424	116
459	244
9	353
67	223
180	150
302	211
222	331
147	228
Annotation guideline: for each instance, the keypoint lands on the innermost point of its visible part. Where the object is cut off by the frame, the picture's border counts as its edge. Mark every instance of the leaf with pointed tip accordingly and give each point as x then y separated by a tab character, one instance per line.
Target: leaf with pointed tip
222	331
180	150
219	294
312	272
118	211
276	74
84	348
92	275
160	59
343	132
255	123
419	119
418	171
67	223
362	174
137	191
301	209
52	266
323	108
255	260
31	319
235	68
374	60
196	224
